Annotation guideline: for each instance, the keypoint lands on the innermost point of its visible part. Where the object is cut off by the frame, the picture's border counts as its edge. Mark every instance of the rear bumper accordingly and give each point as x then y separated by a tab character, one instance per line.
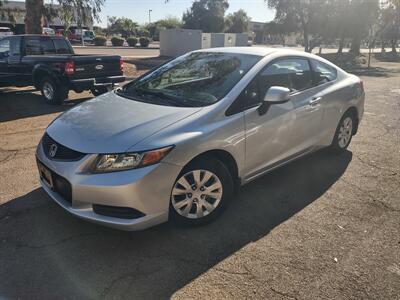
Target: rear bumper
89	83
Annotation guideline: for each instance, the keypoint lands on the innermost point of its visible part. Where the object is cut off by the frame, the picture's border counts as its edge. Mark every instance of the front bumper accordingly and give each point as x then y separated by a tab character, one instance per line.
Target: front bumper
90	83
146	190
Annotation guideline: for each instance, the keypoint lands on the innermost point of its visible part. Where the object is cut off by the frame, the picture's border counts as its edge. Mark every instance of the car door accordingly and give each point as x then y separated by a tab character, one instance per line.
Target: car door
286	130
15	68
4	54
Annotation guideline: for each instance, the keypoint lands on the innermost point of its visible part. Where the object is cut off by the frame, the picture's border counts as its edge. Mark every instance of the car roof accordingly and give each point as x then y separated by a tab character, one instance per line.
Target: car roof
40	35
264	51
257	50
260	51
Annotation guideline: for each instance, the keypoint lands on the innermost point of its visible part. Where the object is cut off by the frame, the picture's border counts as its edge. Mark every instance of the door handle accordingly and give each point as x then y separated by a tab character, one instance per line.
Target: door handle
314	101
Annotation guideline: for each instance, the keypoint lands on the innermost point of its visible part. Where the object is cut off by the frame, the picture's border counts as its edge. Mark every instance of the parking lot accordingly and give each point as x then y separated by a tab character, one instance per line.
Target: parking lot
323	227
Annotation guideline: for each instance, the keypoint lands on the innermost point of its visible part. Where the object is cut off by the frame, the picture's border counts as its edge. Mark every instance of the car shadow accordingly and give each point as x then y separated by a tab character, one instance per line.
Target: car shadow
47	253
17	103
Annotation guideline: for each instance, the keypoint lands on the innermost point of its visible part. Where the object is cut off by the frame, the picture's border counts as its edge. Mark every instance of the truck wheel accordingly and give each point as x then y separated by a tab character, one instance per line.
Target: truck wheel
52	92
99	91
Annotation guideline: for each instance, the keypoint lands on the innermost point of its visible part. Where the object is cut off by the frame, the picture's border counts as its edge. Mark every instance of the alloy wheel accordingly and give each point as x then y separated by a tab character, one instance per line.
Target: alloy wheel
48	90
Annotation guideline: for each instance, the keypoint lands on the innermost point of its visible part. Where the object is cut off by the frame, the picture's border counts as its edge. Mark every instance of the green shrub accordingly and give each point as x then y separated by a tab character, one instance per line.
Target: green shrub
144	41
132	41
117	41
100	40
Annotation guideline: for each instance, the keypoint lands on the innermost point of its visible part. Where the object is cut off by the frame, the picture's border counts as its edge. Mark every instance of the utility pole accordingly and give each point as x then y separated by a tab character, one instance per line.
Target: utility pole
150	10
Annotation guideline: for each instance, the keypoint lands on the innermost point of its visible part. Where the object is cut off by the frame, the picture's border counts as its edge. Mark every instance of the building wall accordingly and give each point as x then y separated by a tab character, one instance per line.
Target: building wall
175	42
217	40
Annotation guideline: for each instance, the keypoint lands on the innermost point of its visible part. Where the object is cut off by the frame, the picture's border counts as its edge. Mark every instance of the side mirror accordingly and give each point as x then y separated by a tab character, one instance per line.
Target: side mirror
277	94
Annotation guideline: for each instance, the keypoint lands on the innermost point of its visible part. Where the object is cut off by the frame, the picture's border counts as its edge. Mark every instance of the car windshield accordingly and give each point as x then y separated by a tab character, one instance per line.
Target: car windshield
195	79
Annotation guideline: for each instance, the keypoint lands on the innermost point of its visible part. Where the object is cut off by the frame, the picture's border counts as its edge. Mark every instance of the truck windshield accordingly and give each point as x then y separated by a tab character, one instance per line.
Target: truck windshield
195	79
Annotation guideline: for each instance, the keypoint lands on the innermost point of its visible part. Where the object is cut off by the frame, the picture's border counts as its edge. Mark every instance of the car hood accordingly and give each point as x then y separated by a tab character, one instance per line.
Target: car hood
113	124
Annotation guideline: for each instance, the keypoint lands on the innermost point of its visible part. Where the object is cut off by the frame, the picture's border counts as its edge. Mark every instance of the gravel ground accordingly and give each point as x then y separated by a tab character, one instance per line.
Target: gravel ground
322	227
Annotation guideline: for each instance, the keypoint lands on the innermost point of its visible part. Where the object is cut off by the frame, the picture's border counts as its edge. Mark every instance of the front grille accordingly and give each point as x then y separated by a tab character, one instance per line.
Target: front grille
62	187
117	212
62	152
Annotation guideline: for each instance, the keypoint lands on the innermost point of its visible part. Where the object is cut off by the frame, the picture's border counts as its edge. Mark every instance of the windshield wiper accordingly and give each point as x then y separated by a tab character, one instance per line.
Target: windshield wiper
169	99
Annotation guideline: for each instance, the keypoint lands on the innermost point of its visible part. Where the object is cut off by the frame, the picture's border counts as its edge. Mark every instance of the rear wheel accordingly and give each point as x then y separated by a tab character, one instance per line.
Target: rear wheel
52	92
344	132
201	192
99	91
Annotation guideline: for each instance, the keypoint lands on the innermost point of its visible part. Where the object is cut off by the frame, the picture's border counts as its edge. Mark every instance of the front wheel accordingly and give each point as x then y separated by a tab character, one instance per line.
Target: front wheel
344	133
201	192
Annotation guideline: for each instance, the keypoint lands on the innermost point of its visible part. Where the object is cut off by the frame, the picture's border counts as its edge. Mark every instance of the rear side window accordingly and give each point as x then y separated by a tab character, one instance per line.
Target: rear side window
292	73
39	46
61	46
15	46
323	73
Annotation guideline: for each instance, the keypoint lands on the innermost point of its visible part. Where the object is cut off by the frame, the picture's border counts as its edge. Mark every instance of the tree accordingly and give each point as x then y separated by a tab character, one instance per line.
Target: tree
389	23
67	17
34	16
237	22
303	15
124	26
358	27
85	10
168	23
207	15
142	32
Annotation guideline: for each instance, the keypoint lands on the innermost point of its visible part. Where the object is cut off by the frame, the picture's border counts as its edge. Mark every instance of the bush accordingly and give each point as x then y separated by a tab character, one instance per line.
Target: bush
117	41
132	41
144	41
142	32
100	41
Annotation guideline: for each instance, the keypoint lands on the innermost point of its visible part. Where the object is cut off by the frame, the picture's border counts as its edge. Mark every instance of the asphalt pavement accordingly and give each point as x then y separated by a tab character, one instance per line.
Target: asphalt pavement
324	227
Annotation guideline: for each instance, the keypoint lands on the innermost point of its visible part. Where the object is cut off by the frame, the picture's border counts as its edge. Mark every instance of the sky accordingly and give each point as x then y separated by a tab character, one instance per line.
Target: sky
138	10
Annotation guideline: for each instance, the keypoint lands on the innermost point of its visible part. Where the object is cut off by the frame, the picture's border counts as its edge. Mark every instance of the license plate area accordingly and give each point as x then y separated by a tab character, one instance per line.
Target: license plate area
45	175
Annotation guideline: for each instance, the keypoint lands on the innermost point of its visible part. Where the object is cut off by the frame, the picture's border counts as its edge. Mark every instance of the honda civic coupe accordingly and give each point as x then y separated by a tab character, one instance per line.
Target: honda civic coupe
177	142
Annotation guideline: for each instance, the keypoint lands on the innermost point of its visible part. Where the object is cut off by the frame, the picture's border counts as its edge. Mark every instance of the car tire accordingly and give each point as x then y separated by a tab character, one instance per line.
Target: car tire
99	91
344	133
52	92
204	199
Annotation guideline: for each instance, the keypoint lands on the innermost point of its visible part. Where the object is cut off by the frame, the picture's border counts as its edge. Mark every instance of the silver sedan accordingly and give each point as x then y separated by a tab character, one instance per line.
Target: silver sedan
176	142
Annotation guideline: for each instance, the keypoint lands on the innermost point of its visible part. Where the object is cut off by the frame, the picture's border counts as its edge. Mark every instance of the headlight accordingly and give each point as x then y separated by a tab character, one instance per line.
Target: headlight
126	161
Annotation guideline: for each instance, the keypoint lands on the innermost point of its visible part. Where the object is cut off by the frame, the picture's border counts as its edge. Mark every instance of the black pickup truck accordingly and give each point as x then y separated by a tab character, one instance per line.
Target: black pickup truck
50	65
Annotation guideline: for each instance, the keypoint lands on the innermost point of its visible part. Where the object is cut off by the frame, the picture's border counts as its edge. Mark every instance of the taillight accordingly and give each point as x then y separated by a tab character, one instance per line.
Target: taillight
121	65
69	68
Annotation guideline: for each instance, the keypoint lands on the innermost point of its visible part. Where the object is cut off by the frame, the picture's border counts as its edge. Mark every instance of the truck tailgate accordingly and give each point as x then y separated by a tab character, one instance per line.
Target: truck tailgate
96	66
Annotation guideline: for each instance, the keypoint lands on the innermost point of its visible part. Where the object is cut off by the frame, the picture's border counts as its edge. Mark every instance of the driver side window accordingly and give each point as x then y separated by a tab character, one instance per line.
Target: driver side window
4	48
292	73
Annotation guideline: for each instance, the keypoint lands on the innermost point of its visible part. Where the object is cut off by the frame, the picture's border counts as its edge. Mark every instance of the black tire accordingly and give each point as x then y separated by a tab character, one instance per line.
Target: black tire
339	144
222	173
52	92
99	91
